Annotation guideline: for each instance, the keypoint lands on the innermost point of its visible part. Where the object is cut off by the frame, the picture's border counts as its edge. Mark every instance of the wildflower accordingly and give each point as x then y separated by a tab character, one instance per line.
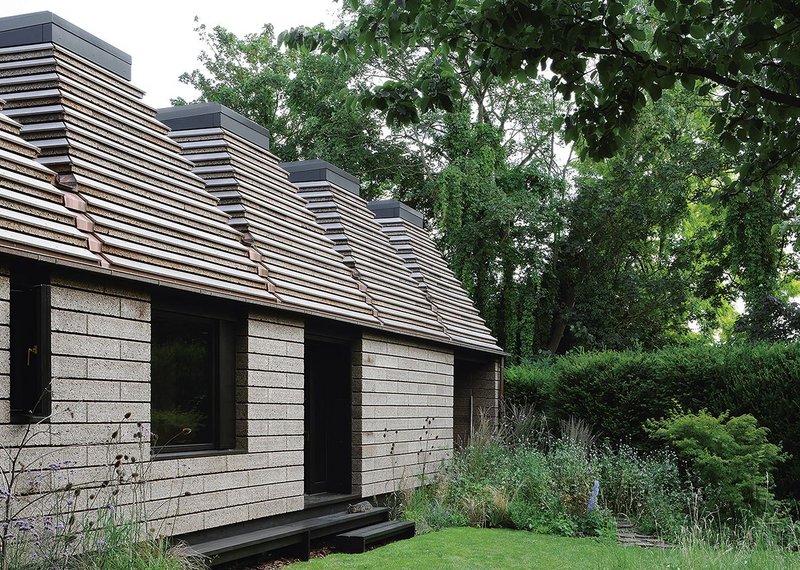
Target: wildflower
593	497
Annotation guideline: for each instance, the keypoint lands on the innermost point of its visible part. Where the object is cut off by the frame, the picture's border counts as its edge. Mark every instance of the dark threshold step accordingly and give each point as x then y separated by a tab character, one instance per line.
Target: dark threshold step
299	533
356	541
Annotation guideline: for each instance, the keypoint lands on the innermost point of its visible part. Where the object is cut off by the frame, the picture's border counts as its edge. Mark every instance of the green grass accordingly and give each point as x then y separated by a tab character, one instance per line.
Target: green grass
468	548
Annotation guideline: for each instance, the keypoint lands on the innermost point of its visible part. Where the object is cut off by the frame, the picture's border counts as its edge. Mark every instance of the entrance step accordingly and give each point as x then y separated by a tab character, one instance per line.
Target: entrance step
356	541
300	533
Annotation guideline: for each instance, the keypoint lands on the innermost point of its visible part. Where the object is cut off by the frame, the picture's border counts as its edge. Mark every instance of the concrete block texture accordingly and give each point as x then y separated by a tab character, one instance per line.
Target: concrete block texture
101	372
403	412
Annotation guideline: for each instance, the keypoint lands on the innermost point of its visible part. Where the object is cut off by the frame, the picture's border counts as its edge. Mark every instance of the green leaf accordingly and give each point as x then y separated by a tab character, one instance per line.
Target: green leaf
637	34
697	31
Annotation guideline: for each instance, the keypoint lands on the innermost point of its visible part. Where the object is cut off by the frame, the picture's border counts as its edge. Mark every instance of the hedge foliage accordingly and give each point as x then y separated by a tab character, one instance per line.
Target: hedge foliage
617	392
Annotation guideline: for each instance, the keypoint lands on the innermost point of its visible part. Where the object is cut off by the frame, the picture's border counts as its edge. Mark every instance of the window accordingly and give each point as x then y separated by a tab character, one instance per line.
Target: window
30	345
192	380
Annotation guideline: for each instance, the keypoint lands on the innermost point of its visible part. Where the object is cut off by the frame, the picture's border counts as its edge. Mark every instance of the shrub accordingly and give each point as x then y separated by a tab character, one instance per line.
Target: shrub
619	391
729	456
547	489
647	490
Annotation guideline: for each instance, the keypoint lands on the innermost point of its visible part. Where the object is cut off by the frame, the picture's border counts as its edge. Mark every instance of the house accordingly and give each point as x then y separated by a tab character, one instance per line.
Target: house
284	339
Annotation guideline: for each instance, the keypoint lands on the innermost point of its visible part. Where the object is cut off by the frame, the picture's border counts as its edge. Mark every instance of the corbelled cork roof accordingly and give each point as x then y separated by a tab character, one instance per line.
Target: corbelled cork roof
400	303
152	216
33	218
91	177
231	154
414	246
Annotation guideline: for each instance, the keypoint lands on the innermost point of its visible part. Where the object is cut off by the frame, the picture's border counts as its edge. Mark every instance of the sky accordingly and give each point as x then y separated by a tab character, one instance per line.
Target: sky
160	35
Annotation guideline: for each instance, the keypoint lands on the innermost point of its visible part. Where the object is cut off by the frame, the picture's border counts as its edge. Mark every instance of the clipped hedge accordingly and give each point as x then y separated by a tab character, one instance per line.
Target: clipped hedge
617	392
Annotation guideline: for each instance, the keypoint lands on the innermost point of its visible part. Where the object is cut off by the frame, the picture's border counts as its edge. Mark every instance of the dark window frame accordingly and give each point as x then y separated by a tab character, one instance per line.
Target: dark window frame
30	341
223	409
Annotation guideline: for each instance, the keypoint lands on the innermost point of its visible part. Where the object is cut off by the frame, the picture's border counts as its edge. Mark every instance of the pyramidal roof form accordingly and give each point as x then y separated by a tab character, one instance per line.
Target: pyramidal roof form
153	218
33	219
404	228
400	303
90	177
231	154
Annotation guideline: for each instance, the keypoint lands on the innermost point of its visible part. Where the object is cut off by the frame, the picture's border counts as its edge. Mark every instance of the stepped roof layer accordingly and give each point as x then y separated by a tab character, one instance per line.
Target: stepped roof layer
400	303
151	216
231	154
416	249
90	177
33	219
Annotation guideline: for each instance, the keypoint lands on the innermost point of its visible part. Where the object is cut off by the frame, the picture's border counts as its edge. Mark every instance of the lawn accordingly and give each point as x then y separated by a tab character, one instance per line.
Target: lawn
467	548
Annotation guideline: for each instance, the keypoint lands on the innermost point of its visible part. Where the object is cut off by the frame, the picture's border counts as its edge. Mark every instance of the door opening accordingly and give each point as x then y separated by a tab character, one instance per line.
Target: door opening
328	431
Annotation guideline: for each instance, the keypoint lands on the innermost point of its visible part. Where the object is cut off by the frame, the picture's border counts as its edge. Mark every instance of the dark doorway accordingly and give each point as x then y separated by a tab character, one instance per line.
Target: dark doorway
328	400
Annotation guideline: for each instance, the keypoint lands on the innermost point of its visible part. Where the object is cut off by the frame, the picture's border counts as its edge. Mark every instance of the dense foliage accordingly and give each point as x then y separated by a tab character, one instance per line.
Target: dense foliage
610	56
617	392
729	457
553	484
706	483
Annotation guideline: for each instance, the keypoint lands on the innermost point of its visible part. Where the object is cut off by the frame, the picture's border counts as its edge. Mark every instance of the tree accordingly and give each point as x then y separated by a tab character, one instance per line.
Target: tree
609	56
494	219
302	99
624	273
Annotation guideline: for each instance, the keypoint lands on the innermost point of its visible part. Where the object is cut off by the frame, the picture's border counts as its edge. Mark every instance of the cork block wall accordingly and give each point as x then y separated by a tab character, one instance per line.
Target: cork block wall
476	393
403	413
100	343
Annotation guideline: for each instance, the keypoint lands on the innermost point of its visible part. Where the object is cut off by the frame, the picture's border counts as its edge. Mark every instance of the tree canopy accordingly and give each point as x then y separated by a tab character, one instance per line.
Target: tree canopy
599	174
609	56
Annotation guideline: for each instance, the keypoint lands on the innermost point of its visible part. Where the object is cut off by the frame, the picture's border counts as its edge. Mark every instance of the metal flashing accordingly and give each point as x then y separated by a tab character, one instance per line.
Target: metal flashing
213	115
396	209
46	27
321	171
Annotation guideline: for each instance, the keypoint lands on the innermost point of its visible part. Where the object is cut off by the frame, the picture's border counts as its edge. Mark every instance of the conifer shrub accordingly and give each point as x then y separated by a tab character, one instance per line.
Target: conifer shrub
728	457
